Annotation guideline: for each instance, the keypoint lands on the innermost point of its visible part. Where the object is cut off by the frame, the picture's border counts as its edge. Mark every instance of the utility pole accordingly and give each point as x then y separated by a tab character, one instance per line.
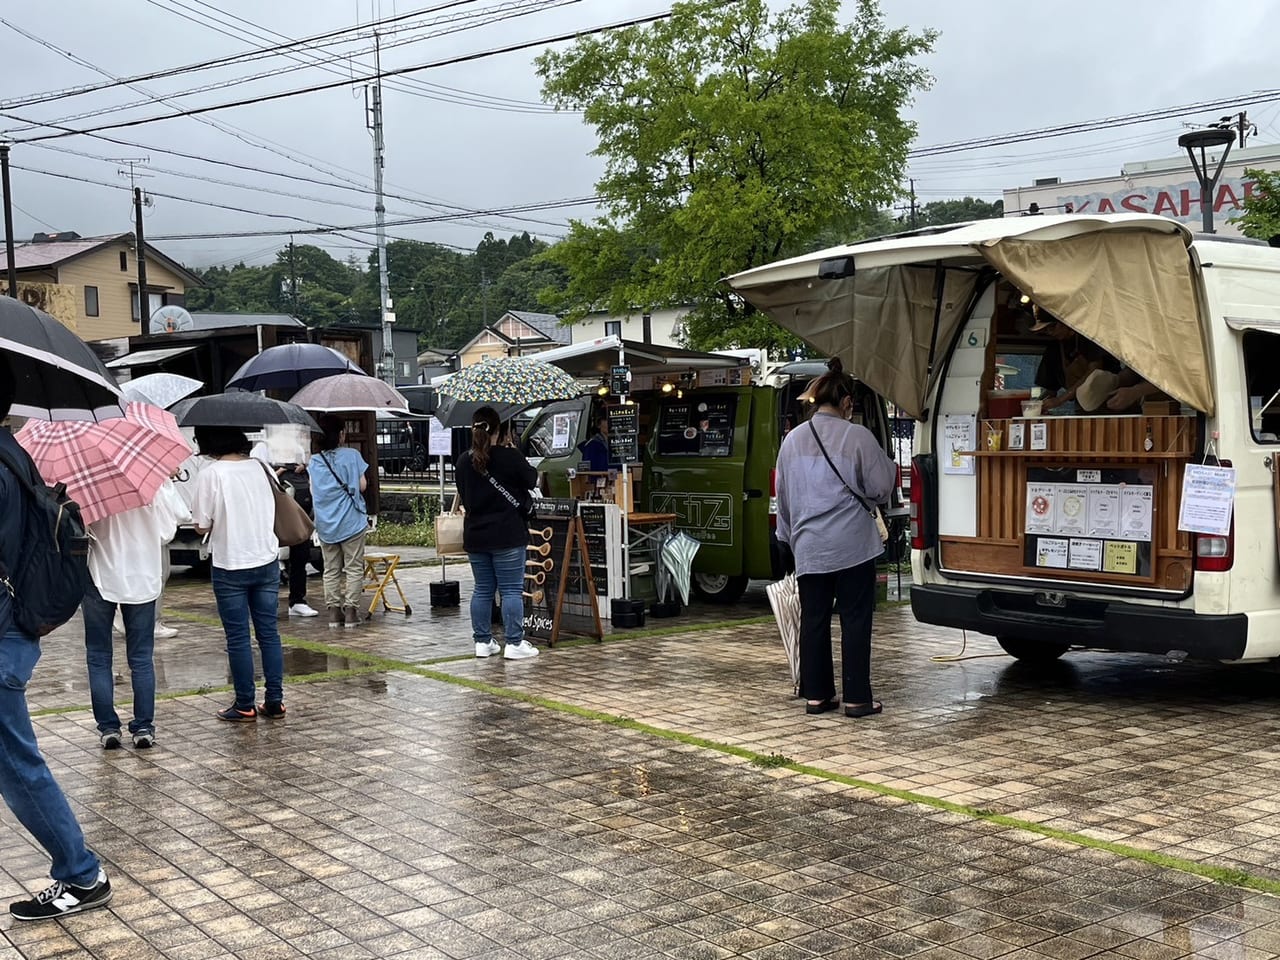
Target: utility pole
1244	127
385	316
144	302
8	221
912	182
293	279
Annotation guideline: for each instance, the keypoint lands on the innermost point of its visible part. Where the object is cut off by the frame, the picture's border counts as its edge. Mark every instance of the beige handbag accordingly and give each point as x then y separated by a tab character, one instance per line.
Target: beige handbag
293	525
449	531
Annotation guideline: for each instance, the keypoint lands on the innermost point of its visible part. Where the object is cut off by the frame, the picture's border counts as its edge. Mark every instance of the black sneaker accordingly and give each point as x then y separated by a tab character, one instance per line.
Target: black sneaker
235	715
63	899
272	710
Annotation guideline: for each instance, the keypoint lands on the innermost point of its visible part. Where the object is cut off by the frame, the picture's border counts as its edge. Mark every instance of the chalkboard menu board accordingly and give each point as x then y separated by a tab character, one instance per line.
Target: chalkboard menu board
624	434
697	428
558	571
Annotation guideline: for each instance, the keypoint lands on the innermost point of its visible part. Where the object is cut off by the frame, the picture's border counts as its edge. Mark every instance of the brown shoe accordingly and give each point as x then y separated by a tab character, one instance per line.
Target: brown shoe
351	617
335	618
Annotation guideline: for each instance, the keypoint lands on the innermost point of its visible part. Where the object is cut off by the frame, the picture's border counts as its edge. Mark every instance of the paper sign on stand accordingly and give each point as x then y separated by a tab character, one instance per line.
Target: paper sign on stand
439	439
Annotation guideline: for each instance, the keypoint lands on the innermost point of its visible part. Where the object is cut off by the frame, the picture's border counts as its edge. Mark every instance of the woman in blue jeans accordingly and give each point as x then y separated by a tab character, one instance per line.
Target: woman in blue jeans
234	504
493	484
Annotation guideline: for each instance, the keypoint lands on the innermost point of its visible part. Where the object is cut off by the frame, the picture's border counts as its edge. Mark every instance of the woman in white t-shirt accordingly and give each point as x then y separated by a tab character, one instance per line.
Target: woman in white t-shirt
234	504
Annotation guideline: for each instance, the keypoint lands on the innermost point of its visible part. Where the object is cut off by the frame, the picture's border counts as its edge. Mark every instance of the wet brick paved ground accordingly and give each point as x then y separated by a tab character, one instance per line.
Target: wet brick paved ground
431	812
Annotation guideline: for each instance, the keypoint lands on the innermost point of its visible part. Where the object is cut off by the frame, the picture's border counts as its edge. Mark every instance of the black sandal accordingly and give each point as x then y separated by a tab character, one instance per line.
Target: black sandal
822	707
864	709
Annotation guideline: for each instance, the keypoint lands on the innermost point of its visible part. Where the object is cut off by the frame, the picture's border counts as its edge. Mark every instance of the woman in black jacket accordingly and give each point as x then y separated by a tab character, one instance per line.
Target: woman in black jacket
493	484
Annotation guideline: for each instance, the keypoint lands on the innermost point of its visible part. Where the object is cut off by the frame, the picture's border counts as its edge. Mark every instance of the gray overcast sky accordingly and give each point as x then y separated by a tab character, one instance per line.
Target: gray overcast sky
999	66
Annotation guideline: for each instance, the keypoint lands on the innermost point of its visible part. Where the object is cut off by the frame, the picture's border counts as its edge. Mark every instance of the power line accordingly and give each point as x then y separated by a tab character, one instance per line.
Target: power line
1087	126
275	50
316	88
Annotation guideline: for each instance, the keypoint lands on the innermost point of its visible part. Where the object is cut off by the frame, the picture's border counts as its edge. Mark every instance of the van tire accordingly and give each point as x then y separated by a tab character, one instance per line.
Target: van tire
719	587
1032	651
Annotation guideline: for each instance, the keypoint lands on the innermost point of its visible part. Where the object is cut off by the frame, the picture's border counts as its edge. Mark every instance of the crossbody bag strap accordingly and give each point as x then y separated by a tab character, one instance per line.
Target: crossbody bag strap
345	489
506	494
826	456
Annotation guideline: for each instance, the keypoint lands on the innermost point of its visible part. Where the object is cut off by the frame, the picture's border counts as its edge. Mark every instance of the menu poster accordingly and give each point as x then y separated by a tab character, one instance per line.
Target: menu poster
1071	513
624	431
1039	436
1104	511
1017	436
1040	507
1085	555
960	434
1052	553
1135	512
1208	494
1120	556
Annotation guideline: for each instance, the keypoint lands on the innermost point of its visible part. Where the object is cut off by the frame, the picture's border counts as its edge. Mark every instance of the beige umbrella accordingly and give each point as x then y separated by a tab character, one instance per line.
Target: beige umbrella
784	598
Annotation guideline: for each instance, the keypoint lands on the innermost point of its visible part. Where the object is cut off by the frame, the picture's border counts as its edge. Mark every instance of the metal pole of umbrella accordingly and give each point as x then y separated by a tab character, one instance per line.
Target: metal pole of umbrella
626	496
8	221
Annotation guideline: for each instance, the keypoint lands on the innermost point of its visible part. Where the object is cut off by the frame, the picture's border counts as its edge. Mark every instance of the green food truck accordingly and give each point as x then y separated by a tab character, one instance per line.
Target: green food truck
707	456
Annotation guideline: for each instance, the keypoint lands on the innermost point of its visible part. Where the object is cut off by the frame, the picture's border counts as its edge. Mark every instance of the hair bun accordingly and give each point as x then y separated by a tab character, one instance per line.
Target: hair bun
835	365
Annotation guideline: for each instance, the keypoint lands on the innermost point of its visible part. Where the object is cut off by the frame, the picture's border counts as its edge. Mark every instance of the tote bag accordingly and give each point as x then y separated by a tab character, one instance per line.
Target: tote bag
449	532
293	526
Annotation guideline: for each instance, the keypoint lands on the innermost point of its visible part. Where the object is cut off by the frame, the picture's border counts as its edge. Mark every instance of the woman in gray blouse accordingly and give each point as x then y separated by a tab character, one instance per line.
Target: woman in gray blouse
830	475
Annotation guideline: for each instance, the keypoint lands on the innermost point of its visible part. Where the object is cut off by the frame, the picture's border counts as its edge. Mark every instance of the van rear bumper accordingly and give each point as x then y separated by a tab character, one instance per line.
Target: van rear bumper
1103	624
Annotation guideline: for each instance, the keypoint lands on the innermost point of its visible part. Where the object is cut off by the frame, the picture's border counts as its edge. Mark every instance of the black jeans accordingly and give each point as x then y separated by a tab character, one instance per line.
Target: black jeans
297	565
853	591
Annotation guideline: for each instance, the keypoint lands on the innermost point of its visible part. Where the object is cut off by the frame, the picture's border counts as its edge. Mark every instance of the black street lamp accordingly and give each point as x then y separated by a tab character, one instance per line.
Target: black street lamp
1205	140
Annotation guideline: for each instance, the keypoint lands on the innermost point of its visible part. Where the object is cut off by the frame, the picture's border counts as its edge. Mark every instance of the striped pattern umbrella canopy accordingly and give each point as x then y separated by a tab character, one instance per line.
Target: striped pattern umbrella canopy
510	380
784	598
111	466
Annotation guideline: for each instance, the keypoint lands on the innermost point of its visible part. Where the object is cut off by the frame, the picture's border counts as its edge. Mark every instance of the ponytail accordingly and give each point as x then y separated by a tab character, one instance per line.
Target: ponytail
484	428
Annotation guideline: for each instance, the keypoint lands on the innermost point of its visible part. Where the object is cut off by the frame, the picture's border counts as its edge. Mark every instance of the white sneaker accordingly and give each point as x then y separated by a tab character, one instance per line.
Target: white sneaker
519	651
165	632
302	610
488	649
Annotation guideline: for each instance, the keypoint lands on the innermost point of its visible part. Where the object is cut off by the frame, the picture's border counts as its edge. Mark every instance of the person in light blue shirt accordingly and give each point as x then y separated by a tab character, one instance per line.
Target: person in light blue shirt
831	474
337	486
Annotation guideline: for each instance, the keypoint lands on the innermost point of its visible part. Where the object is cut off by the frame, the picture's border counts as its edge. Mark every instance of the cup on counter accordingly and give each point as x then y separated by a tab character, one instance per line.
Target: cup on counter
994	439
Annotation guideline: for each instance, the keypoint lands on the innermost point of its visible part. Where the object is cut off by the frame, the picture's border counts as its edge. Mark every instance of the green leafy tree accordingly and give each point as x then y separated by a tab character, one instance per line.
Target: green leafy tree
731	138
942	212
1261	217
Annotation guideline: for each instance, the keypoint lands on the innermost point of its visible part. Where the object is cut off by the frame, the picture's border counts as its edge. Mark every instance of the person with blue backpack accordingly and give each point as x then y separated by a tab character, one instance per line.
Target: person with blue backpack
27	785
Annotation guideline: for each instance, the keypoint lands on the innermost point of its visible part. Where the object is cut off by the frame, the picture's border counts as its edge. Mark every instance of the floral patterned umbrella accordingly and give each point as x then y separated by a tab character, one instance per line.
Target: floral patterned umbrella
510	380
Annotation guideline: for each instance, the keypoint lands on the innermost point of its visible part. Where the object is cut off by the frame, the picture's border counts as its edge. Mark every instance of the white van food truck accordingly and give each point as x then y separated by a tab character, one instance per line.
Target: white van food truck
1150	531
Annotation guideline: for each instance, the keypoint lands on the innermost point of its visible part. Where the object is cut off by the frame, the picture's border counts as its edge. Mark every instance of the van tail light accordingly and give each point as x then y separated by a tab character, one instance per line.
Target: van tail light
773	498
917	530
1215	554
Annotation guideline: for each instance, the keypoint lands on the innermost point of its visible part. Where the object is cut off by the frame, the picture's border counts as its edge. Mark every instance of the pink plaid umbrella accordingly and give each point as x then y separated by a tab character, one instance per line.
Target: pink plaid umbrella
111	466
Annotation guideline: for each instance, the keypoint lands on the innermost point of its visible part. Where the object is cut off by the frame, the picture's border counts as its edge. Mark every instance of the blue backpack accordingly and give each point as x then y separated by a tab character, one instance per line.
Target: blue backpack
52	574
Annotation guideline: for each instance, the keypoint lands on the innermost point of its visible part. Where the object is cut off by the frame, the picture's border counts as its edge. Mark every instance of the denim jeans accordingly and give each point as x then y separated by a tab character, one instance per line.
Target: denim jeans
139	645
243	595
25	781
501	571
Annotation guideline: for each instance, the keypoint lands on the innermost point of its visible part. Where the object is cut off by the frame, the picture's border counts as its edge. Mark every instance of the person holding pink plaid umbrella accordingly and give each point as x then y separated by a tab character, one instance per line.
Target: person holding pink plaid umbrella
118	471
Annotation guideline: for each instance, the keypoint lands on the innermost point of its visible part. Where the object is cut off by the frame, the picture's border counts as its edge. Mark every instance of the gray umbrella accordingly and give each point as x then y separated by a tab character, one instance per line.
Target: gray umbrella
236	408
160	389
56	375
677	557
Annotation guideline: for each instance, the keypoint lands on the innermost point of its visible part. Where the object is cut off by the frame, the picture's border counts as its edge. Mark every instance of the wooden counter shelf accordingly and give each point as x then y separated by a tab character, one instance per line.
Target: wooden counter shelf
1106	442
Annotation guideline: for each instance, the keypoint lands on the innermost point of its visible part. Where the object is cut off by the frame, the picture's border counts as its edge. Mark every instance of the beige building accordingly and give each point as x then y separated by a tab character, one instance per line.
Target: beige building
91	283
516	333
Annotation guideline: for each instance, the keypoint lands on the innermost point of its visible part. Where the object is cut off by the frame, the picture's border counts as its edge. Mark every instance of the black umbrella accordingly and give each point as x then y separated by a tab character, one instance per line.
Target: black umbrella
56	375
459	413
237	408
291	366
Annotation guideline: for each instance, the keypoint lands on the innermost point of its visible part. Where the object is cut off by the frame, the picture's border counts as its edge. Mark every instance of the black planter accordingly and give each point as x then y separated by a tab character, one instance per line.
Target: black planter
445	593
627	613
666	608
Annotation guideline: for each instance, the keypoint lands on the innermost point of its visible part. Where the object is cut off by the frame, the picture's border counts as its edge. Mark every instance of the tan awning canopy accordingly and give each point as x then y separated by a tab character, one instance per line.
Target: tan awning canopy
1122	280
